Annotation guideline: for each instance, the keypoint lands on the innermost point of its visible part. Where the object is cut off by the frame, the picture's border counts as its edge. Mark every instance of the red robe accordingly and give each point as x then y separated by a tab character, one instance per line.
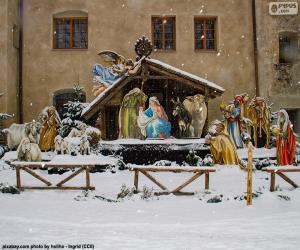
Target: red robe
286	147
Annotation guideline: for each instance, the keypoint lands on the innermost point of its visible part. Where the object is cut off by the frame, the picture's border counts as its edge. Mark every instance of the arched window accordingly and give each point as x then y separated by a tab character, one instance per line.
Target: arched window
288	47
61	97
70	30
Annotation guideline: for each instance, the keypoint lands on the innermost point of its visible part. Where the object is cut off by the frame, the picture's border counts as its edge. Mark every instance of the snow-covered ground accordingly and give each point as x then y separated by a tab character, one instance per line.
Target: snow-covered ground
165	222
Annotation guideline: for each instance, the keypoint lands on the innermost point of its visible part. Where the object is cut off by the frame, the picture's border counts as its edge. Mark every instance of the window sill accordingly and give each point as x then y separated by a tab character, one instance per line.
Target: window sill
164	50
69	49
214	51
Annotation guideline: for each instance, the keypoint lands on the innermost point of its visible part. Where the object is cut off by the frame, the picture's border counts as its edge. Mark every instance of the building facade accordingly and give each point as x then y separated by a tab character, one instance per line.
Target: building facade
234	43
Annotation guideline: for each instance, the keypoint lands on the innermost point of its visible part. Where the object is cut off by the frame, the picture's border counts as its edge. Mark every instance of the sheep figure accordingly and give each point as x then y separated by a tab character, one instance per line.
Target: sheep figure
84	145
75	133
61	146
28	151
16	132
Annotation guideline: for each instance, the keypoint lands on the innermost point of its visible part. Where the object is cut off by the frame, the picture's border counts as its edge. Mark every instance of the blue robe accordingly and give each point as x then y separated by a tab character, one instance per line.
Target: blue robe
233	127
107	75
157	126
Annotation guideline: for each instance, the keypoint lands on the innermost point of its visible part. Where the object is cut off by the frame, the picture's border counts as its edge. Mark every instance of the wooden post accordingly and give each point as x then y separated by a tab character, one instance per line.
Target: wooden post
206	180
249	179
136	180
272	186
87	175
18	177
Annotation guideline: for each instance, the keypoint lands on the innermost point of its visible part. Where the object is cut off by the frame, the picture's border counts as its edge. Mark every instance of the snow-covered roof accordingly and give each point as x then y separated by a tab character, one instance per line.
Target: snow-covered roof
183	73
214	89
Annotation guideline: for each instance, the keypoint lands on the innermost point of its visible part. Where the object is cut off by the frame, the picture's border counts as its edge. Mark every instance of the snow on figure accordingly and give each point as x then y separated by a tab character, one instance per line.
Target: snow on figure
61	146
17	132
49	131
84	145
285	140
107	76
153	122
28	151
129	112
222	148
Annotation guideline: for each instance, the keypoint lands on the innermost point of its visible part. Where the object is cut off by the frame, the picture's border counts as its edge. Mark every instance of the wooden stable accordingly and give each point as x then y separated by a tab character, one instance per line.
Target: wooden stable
198	171
29	167
154	78
280	172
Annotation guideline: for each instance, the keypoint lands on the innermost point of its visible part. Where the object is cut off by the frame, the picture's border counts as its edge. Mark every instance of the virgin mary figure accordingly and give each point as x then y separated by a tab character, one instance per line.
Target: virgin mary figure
153	122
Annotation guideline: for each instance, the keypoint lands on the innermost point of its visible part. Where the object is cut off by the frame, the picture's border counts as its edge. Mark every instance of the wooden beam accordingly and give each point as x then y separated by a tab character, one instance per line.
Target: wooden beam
206	180
58	188
287	179
18	176
175	170
154	180
249	177
70	177
272	185
190	180
29	171
153	77
136	180
87	177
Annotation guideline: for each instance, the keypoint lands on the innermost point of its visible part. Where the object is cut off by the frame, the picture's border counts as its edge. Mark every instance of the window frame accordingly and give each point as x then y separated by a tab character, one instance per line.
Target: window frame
163	18
71	33
216	38
293	37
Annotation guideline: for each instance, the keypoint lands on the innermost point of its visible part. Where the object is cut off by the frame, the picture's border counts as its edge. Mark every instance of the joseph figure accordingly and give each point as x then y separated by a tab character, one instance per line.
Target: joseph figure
129	112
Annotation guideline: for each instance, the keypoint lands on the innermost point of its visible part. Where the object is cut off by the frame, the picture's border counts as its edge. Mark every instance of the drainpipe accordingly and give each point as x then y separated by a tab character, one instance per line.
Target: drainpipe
20	63
255	47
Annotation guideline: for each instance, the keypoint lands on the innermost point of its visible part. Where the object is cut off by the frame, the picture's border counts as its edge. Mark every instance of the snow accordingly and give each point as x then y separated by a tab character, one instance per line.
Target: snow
257	153
154	141
174	168
161	64
186	74
164	222
100	96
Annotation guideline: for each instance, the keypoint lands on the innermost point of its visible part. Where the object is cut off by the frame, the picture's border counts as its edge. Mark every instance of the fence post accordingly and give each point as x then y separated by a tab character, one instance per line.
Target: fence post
249	179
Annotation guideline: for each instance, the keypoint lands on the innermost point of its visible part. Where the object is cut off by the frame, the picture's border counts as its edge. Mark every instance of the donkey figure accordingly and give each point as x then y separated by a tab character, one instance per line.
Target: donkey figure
184	118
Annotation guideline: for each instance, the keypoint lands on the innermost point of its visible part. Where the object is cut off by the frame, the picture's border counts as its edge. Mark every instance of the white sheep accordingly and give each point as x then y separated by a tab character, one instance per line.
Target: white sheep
28	151
61	146
75	133
84	145
16	132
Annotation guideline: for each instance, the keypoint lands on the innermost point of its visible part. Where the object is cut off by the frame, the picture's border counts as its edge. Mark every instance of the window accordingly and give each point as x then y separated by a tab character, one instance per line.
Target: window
163	33
205	33
70	33
288	48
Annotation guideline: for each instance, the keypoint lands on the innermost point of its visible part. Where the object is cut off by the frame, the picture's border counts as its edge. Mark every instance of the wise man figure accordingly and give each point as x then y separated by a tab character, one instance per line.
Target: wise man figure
234	126
285	140
222	148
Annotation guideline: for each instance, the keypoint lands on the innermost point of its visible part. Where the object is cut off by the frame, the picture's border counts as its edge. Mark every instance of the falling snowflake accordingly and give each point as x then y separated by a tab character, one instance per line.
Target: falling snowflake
242	36
123	5
219	53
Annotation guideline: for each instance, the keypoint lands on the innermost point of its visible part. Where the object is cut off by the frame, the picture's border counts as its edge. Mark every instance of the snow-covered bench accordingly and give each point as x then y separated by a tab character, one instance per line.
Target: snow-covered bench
279	171
29	167
198	171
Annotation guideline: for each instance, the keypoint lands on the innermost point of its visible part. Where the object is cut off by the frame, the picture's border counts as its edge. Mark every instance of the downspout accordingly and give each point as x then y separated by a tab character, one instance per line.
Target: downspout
255	47
20	63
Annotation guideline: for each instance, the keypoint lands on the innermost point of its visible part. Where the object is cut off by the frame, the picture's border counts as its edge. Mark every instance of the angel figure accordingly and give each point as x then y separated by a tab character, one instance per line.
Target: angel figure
51	122
107	76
